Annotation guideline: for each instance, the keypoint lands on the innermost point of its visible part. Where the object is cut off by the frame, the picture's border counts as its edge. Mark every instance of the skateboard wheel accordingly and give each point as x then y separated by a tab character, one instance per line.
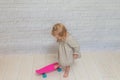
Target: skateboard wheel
59	69
44	75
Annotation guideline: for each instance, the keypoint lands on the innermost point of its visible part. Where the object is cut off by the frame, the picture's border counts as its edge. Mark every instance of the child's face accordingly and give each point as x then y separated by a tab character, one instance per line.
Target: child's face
57	36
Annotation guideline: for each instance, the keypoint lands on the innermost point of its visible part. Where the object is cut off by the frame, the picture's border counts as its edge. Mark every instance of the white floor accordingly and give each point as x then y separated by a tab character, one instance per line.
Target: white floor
92	66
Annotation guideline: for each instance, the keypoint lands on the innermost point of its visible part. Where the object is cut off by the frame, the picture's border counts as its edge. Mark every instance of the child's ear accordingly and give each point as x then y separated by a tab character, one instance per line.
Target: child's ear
61	34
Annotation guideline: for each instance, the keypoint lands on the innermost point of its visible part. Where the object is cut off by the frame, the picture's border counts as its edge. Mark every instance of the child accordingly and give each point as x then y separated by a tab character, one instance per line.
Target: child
68	47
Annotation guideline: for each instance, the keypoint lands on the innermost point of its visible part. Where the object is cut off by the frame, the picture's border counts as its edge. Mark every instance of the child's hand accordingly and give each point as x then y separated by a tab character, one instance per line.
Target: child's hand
75	56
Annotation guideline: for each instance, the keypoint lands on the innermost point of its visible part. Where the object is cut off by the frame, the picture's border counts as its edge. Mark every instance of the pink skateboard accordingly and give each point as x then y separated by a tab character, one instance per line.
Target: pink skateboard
48	68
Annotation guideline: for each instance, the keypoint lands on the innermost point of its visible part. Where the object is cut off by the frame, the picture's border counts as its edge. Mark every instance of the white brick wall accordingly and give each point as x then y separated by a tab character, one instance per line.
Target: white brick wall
25	25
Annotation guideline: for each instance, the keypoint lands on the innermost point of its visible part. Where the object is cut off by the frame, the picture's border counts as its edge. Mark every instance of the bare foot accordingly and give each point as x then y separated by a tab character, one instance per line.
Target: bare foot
65	74
56	66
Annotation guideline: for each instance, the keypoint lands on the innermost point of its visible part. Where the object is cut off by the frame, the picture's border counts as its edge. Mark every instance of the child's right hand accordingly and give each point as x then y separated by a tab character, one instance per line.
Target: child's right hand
75	56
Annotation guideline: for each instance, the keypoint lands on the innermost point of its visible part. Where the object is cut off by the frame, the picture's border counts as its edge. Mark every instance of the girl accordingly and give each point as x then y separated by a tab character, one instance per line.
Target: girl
68	47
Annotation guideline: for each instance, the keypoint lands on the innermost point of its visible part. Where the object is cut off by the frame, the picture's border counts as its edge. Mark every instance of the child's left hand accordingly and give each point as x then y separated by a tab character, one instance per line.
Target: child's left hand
75	56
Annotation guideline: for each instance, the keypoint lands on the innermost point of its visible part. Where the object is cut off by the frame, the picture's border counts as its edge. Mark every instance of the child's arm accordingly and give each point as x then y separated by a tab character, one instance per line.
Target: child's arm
73	43
75	56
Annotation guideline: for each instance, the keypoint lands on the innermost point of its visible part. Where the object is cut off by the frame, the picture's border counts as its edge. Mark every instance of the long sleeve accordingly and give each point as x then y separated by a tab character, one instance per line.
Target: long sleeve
73	43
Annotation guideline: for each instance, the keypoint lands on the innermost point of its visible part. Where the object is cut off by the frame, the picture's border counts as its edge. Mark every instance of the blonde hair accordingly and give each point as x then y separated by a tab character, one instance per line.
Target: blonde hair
60	29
